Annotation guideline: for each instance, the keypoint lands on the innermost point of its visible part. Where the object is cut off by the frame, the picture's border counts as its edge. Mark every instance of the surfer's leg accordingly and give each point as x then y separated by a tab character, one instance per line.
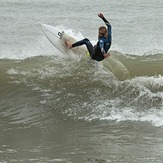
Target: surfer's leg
85	42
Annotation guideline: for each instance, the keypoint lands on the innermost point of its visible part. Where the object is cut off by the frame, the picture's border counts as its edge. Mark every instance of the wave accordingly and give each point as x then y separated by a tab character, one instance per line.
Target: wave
80	89
146	65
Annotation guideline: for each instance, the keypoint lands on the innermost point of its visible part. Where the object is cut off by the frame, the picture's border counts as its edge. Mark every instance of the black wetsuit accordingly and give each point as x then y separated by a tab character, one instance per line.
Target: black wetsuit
103	45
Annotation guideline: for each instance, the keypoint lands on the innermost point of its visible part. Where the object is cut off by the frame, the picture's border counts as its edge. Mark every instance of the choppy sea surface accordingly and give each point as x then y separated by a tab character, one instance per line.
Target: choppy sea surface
64	109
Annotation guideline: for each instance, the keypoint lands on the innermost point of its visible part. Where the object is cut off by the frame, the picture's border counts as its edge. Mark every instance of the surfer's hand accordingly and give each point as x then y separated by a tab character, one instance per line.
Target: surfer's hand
106	55
101	15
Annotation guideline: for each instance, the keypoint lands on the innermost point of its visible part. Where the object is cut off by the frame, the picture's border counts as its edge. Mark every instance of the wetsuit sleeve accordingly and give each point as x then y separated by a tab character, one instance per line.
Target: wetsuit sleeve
109	29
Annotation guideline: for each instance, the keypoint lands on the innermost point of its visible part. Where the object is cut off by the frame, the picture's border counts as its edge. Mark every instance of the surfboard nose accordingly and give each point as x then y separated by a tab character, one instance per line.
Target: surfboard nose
43	26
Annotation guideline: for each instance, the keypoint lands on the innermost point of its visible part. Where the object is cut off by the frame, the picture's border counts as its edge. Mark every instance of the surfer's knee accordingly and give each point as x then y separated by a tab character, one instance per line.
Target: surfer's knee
86	40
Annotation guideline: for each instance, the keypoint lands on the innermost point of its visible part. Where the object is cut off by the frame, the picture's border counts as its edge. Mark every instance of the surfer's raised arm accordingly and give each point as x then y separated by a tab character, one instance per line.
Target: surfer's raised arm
108	26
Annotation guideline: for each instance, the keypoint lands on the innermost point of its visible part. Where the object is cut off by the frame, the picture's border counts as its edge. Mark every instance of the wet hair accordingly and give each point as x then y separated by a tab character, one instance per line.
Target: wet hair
102	31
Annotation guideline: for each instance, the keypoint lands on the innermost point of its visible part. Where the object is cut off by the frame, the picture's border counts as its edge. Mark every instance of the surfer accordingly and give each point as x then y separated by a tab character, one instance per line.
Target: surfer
99	51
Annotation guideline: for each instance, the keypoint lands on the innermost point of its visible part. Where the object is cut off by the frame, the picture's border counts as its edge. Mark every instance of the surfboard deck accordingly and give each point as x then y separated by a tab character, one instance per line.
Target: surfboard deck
58	39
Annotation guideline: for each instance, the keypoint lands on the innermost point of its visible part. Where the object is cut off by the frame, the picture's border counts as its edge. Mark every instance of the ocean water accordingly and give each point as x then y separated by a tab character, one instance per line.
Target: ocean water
64	109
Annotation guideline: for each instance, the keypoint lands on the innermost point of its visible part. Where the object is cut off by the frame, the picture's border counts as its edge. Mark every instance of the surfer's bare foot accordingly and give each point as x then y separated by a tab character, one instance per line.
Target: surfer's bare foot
68	44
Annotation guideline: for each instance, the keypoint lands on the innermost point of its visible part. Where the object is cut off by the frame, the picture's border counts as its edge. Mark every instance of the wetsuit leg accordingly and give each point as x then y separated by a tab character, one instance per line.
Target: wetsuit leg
87	43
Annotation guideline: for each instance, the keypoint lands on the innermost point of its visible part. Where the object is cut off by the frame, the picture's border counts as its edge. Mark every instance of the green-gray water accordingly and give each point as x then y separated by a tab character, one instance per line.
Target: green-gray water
65	109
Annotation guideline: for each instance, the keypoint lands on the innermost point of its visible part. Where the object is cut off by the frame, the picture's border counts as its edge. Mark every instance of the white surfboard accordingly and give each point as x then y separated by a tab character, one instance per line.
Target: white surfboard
58	38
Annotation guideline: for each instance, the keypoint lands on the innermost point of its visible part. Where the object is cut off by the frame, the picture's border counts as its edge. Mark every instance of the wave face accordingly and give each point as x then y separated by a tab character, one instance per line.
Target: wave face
80	89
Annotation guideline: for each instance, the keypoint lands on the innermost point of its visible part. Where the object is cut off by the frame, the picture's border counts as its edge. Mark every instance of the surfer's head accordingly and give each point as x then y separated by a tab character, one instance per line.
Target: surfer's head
102	31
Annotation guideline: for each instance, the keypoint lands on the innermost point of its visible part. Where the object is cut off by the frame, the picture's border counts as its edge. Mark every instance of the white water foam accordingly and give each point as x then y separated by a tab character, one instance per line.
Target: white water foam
113	110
